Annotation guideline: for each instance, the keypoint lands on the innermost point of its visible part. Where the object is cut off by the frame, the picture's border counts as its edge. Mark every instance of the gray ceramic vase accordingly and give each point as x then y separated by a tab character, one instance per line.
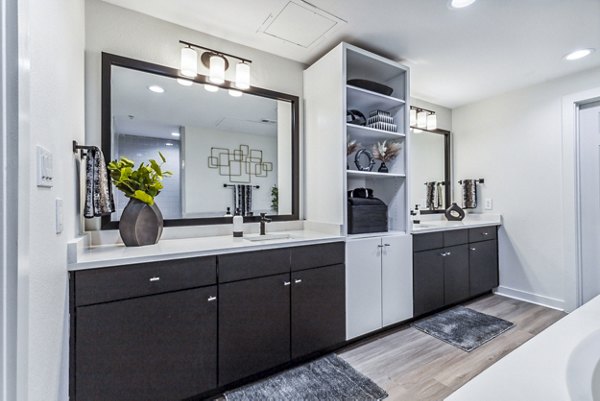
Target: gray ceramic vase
140	224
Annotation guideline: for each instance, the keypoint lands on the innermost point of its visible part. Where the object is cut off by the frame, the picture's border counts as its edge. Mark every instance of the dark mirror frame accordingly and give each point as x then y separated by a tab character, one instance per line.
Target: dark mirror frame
447	169
109	60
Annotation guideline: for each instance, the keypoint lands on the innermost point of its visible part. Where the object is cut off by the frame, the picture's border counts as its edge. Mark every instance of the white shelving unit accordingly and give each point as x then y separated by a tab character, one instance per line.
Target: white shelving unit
329	172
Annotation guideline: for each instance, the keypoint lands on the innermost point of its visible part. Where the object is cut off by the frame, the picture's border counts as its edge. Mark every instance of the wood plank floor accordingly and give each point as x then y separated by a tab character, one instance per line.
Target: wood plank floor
413	366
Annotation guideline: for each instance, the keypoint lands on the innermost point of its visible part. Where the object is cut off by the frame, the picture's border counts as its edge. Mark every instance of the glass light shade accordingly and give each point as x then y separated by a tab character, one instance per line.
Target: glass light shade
184	82
432	122
461	3
211	88
413	117
217	69
242	76
235	92
189	62
422	119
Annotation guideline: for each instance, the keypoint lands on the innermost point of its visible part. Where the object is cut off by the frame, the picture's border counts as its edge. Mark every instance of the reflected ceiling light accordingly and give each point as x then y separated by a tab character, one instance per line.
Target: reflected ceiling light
413	117
461	3
431	122
577	54
169	144
242	75
235	92
156	89
422	119
211	88
184	82
175	134
189	62
217	63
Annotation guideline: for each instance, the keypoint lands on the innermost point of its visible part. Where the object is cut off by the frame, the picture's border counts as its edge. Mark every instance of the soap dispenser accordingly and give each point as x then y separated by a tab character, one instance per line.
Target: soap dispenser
238	224
416	215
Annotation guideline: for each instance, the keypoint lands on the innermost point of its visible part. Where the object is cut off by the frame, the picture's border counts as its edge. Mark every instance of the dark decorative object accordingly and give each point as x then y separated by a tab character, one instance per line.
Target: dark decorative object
367	215
355	117
455	213
463	327
382	120
307	382
385	152
242	162
140	224
383	168
371	86
364	160
361	193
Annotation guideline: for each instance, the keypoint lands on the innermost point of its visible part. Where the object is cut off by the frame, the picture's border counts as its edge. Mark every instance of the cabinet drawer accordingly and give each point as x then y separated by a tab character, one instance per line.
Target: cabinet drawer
239	266
482	233
422	242
307	257
456	237
121	282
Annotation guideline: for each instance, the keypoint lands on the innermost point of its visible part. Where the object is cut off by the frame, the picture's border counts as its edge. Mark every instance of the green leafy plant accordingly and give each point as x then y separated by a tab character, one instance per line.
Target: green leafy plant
143	183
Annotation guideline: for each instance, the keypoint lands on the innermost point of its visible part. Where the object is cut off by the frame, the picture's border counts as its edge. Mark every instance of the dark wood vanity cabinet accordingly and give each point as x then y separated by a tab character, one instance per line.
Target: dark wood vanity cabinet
452	266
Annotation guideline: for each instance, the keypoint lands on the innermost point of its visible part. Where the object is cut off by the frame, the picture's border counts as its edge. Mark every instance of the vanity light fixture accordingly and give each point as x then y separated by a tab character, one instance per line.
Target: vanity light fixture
461	3
217	63
577	54
422	119
413	117
156	89
431	122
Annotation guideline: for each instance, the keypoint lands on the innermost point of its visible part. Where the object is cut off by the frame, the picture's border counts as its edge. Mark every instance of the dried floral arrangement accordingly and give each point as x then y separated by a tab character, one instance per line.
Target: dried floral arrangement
352	146
386	151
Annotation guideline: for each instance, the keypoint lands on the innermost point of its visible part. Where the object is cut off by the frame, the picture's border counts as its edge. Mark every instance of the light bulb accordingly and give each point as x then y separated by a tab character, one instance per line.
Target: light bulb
422	119
242	76
235	92
413	117
432	122
211	88
577	54
461	3
189	62
217	69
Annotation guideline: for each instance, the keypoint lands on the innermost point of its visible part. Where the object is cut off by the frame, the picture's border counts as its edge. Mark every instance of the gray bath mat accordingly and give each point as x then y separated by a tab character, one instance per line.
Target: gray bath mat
463	327
329	378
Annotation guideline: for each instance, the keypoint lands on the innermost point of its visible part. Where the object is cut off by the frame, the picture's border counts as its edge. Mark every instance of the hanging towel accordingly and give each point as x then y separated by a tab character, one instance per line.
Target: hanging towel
469	190
243	199
430	195
439	197
98	192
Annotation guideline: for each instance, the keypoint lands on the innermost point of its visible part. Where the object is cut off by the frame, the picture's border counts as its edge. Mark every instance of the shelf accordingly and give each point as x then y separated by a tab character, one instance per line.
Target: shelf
356	173
366	101
362	134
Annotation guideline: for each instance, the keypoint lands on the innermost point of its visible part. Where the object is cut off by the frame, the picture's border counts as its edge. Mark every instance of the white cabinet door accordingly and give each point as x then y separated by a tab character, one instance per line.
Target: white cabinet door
363	286
397	279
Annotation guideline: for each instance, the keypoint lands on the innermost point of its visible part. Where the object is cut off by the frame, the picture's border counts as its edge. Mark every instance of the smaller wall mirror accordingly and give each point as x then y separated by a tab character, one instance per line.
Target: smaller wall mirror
430	170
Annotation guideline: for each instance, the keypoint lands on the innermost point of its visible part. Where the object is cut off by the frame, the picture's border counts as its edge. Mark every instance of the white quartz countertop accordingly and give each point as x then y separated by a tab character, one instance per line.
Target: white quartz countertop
116	255
432	224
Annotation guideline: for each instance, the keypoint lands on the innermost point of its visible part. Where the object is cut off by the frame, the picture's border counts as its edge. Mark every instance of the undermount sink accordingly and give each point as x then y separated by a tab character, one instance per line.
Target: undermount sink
267	237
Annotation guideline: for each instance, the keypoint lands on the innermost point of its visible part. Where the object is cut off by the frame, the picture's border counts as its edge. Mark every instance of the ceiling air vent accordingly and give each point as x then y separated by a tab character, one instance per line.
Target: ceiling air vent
300	23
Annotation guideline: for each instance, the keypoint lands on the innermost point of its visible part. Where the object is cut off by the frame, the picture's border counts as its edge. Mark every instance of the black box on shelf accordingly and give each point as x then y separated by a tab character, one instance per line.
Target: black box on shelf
367	215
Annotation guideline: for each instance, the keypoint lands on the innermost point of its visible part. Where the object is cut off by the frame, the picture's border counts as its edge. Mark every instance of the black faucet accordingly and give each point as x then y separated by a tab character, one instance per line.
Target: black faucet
263	221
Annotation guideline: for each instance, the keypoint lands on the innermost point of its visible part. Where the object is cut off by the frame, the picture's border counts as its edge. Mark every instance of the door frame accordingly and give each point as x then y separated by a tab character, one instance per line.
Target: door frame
571	105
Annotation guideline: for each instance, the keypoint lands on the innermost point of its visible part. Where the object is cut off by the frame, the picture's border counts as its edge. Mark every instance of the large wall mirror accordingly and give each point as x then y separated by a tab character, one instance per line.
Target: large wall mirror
225	152
430	170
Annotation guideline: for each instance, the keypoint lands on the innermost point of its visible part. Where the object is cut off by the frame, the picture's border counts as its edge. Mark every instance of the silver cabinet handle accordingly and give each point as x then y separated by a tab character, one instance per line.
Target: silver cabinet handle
286	283
211	298
155	278
443	254
298	281
448	253
484	234
473	249
386	244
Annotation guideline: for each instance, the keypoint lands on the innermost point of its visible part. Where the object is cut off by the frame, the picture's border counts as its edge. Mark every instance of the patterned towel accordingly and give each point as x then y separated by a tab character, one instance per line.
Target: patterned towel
98	192
469	190
243	199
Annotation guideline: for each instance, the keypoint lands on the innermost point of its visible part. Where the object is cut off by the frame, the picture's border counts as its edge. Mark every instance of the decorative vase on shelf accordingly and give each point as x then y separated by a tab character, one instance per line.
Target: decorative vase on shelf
455	213
383	168
140	224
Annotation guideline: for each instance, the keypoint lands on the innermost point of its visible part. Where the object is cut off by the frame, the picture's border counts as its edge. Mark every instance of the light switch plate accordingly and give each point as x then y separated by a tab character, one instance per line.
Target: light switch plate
45	173
488	204
59	215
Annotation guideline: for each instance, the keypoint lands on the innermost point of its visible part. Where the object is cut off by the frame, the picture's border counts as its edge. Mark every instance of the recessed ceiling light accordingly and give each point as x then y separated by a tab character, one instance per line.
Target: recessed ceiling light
577	54
169	144
156	89
461	3
176	134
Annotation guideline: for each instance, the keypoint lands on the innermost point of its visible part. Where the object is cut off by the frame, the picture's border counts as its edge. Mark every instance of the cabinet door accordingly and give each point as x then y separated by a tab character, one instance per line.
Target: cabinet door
254	326
159	347
363	286
456	274
428	278
483	258
396	279
318	309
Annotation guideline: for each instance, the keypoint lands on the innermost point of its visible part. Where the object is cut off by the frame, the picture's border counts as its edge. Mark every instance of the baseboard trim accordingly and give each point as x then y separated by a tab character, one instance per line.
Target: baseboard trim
531	297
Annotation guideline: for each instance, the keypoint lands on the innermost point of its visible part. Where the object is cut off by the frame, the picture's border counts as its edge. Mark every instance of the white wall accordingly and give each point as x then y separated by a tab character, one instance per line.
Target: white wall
514	142
51	78
204	191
